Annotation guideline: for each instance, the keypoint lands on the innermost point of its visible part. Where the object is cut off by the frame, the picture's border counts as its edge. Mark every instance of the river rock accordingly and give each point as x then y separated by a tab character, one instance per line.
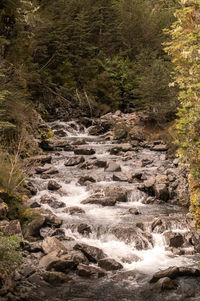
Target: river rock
3	210
82	180
100	163
74	210
120	194
159	148
100	201
42	169
93	254
109	264
51	201
80	141
90	271
173	239
121	177
84	229
51	171
51	244
55	278
84	151
156	222
39	159
74	161
113	167
171	272
131	234
63	264
165	284
53	185
60	133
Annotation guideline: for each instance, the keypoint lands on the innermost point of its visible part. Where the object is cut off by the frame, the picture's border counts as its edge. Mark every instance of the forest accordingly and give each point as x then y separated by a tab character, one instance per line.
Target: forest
74	58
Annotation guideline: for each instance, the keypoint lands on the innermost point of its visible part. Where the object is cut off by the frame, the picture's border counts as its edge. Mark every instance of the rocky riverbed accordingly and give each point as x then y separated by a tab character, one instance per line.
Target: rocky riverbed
108	221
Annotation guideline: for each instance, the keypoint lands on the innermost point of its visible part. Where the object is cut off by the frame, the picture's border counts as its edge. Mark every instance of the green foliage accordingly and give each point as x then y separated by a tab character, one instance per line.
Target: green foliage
11	175
10	254
184	50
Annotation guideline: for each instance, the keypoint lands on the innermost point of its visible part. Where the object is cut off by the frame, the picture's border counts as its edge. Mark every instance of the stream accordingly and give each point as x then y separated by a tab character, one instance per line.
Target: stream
102	203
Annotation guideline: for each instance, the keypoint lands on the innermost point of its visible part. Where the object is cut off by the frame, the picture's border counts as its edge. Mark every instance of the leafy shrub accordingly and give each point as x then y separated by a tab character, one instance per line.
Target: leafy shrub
10	254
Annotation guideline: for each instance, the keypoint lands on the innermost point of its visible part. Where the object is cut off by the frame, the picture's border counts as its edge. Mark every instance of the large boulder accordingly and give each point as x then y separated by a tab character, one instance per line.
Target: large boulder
109	264
74	161
174	239
82	180
103	201
93	254
84	151
51	244
36	219
120	194
161	192
131	234
90	271
113	167
53	185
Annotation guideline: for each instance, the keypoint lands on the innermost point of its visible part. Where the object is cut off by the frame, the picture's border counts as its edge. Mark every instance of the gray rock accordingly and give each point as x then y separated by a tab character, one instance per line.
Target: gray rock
84	229
74	210
93	254
82	180
53	185
113	167
171	272
121	177
90	271
173	239
109	264
165	284
161	192
74	161
55	278
84	151
51	244
100	201
11	228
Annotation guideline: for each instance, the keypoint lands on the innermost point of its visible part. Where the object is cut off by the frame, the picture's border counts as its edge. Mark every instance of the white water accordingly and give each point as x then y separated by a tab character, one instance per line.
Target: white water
104	218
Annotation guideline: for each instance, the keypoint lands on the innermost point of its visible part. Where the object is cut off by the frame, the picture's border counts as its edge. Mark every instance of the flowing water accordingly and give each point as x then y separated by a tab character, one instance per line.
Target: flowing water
110	225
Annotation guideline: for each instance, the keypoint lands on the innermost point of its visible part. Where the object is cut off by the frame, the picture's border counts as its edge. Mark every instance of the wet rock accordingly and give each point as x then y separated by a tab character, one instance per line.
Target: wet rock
93	254
84	151
161	192
121	177
90	271
174	272
109	264
160	148
3	210
60	133
171	272
165	284
11	228
35	205
39	159
156	222
173	239
51	244
53	185
39	217
51	171
82	180
131	234
131	258
55	278
113	167
31	247
84	229
134	211
31	188
148	186
74	161
62	144
120	194
64	264
80	141
41	169
100	201
100	163
74	210
51	201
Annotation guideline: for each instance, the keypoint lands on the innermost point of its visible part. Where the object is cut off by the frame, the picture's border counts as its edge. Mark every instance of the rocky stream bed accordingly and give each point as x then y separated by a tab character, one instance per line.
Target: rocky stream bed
107	222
